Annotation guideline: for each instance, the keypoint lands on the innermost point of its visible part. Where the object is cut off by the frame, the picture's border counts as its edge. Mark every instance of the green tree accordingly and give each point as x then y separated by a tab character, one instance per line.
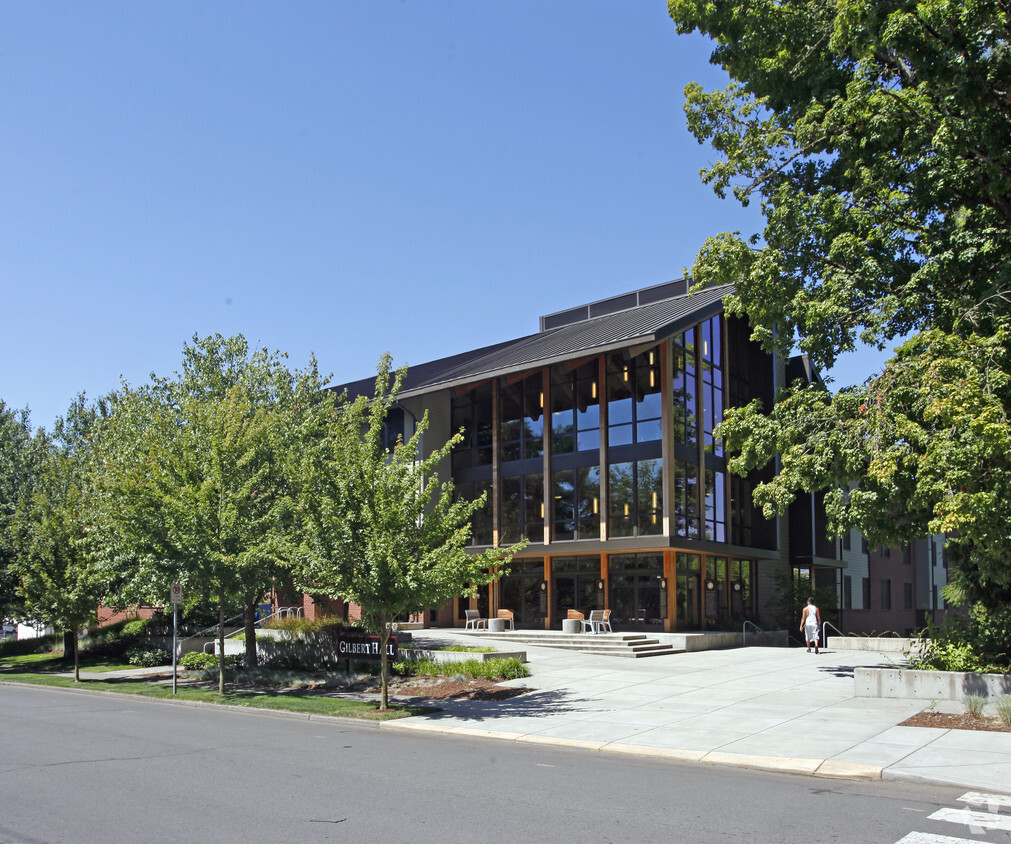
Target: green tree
196	490
380	531
53	531
17	474
875	135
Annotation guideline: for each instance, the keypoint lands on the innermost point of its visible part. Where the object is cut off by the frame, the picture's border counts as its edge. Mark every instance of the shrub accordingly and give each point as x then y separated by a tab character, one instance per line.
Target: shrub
301	626
148	657
974	705
1004	709
493	669
136	626
979	643
198	660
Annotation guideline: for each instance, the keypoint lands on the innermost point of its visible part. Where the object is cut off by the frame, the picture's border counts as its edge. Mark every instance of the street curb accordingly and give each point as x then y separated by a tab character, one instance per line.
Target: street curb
824	768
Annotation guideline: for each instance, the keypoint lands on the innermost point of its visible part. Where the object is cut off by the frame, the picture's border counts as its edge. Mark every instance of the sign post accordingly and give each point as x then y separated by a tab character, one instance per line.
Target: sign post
176	597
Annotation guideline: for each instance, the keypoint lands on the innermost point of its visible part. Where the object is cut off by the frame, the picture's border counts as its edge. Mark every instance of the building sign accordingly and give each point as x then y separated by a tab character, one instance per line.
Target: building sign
364	646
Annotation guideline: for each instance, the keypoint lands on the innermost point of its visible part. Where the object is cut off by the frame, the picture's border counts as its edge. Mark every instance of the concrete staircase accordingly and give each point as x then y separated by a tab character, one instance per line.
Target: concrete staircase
631	645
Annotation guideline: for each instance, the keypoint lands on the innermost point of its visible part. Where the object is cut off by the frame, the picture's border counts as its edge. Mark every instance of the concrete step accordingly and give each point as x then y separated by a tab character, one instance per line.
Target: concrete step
631	645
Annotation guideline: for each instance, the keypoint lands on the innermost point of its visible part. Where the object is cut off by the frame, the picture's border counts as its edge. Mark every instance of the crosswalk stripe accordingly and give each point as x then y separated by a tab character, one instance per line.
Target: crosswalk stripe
966	817
930	838
978	798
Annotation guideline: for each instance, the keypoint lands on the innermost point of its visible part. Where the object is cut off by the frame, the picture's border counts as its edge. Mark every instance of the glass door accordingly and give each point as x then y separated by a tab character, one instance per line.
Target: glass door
688	586
574	585
520	591
636	597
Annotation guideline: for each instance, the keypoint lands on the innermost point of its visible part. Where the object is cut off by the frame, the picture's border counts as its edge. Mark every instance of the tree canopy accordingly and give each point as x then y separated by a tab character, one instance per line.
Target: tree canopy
53	533
876	136
380	530
195	482
17	476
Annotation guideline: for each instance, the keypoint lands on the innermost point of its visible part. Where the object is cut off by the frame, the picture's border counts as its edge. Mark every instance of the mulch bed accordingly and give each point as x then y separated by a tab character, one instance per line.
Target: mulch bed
963	721
449	688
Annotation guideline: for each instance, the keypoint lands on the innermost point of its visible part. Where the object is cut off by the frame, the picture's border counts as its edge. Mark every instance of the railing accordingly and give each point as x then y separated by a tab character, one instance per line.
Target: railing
824	631
281	612
744	631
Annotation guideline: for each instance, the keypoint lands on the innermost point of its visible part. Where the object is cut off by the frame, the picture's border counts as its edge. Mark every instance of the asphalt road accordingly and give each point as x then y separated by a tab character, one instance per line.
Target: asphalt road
89	768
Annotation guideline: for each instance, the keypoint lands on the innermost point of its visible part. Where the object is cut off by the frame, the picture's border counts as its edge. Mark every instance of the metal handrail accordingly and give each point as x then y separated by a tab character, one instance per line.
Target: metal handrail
824	633
280	612
744	631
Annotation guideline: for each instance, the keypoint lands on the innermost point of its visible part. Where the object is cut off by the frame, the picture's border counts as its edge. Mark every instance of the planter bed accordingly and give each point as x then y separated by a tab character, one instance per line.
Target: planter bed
460	656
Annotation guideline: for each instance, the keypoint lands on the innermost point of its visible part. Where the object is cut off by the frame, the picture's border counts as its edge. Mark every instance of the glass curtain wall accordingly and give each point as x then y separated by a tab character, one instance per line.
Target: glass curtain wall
575	451
521	440
634	439
471	459
700	480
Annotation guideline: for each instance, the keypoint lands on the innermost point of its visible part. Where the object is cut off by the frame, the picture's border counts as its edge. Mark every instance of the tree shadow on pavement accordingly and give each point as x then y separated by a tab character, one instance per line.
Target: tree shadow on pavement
531	705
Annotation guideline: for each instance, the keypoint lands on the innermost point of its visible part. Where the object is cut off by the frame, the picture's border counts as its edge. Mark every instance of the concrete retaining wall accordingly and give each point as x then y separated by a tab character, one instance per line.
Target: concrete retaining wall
195	644
881	644
927	685
692	642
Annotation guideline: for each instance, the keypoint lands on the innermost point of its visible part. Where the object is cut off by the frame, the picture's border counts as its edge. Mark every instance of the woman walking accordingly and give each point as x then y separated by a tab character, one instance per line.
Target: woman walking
810	625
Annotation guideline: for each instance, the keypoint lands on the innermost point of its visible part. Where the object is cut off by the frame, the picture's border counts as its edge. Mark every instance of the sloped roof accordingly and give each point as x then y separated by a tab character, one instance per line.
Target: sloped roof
643	325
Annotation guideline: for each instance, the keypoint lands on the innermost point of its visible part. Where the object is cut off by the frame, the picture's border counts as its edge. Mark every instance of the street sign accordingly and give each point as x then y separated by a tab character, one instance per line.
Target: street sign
176	593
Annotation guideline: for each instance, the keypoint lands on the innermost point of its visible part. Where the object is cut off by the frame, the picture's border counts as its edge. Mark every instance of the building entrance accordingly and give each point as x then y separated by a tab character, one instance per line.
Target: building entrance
574	585
688	591
520	591
637	602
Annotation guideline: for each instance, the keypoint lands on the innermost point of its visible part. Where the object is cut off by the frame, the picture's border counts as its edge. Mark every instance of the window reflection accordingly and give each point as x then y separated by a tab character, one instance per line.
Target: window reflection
636	496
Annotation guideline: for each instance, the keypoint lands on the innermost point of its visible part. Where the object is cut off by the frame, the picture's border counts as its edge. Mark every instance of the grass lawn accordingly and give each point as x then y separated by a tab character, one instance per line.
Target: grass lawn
40	669
53	662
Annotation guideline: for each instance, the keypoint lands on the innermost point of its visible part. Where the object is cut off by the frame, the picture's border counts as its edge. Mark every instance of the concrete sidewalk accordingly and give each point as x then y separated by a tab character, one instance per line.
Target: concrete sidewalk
772	708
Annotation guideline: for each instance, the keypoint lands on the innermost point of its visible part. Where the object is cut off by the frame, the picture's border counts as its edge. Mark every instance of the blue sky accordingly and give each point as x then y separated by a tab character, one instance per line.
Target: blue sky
340	178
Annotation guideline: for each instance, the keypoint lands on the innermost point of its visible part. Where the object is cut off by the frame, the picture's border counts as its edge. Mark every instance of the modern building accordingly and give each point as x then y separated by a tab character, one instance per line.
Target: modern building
593	438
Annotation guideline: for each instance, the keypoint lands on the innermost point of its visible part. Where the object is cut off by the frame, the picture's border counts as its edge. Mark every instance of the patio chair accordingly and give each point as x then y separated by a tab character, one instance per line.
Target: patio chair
509	618
473	620
604	624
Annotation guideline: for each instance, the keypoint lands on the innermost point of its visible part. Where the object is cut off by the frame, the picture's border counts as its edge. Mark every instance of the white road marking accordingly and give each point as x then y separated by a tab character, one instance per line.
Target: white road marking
930	838
978	798
986	820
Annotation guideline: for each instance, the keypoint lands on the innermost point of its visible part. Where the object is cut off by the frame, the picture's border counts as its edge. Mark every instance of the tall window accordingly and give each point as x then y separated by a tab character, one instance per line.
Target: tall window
575	408
522	415
522	513
686	497
575	450
636	496
634	405
575	495
712	383
716	512
685	399
472	412
481	523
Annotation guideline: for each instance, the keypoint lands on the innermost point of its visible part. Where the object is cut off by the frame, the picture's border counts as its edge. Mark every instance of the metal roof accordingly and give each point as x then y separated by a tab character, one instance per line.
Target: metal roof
636	326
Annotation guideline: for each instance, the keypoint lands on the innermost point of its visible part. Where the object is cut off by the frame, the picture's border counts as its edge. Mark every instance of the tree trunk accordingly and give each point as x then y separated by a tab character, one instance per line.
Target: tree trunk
384	667
249	624
70	649
221	641
69	645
